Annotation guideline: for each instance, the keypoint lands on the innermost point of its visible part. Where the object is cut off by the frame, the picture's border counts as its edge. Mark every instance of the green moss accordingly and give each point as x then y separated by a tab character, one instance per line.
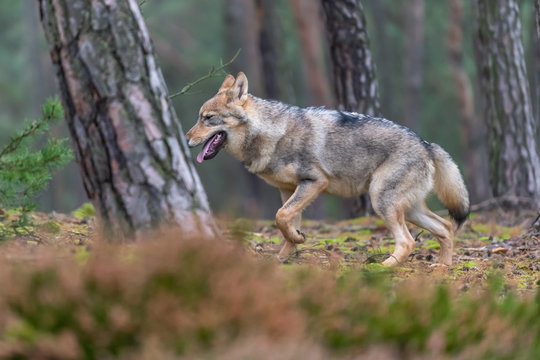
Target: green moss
85	211
50	227
431	244
481	228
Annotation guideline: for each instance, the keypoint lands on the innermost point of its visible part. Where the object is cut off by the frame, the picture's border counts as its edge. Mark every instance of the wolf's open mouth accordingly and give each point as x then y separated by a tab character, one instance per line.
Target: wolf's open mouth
212	146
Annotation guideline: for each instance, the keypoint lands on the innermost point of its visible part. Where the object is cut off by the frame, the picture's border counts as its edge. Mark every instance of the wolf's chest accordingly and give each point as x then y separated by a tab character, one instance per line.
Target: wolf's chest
285	178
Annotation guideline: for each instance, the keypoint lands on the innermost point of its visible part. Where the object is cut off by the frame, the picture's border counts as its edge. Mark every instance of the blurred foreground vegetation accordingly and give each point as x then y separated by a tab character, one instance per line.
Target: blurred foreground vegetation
68	295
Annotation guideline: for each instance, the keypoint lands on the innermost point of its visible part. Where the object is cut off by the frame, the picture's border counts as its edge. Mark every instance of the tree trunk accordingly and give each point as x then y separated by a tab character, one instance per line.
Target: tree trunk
413	62
129	144
271	45
242	29
537	7
536	61
514	165
355	84
308	22
471	131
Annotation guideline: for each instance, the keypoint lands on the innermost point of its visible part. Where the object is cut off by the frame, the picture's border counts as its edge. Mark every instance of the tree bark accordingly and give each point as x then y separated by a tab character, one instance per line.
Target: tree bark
537	7
471	131
271	46
514	165
413	62
242	32
129	143
355	83
308	22
536	61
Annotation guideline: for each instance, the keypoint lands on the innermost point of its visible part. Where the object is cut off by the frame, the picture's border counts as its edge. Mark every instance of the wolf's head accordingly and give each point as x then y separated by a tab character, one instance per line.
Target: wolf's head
222	119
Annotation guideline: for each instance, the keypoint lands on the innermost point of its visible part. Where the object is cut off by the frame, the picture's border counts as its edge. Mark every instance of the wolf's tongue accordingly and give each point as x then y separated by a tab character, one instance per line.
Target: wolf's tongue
200	157
204	151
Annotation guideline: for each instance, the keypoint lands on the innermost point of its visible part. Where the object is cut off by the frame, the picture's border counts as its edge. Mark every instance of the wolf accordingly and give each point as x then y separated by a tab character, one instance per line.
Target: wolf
307	151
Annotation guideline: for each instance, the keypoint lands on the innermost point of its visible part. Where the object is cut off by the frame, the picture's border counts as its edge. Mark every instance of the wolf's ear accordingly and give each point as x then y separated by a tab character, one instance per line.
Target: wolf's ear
227	83
239	90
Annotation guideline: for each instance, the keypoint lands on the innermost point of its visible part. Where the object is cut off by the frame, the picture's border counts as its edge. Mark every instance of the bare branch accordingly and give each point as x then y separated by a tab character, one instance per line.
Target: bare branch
213	72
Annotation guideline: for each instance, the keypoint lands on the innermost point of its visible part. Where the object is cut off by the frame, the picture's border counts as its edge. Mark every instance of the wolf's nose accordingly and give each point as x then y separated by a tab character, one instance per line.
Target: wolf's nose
191	143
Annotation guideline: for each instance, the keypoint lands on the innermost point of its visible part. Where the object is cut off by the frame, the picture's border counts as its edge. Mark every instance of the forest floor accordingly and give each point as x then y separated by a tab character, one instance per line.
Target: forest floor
487	242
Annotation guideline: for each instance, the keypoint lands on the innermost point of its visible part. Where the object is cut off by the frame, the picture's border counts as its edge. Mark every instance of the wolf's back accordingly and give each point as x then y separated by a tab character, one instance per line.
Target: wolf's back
449	185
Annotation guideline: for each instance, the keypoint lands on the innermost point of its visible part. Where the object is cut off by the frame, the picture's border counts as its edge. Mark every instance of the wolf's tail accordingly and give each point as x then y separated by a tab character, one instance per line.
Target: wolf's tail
449	185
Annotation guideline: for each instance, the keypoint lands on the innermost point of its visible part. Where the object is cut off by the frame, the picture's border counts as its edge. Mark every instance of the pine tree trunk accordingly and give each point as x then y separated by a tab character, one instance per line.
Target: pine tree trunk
413	62
129	144
471	131
355	83
514	165
537	7
536	61
241	32
271	45
308	23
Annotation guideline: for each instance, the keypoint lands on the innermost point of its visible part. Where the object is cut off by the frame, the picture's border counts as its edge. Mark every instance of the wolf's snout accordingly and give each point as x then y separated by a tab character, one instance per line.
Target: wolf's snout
190	141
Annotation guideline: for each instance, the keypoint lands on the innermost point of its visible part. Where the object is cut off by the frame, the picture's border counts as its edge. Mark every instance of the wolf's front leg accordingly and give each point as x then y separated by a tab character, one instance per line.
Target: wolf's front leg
288	247
289	216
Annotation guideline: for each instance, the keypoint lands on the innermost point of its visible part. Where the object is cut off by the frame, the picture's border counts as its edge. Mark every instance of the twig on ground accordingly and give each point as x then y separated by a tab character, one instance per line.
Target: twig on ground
534	222
483	248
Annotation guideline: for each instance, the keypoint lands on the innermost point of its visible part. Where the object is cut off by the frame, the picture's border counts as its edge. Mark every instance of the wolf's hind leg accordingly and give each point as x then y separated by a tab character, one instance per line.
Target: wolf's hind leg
386	204
395	221
442	229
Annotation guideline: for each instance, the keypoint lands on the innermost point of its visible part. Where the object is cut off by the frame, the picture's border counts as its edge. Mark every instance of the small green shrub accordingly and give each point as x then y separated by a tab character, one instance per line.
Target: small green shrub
26	166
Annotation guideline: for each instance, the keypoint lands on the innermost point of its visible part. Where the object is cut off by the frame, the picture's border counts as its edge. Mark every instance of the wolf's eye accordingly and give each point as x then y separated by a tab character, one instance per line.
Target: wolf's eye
208	116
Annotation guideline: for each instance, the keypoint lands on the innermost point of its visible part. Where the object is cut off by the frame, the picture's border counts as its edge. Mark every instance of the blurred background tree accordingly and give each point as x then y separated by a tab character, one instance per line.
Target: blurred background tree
514	165
190	36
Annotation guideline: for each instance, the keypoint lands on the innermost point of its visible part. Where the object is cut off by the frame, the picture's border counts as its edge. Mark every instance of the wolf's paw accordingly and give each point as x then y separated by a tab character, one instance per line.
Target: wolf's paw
288	250
391	261
301	238
439	266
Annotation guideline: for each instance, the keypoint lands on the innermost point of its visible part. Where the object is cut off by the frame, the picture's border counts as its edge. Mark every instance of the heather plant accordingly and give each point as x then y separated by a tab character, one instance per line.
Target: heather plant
206	299
27	161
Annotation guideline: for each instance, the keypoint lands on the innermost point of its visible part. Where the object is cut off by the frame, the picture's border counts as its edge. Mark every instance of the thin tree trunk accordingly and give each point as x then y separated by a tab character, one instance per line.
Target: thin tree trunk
537	61
537	7
413	62
355	83
514	165
271	45
129	144
385	60
242	32
476	169
308	22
